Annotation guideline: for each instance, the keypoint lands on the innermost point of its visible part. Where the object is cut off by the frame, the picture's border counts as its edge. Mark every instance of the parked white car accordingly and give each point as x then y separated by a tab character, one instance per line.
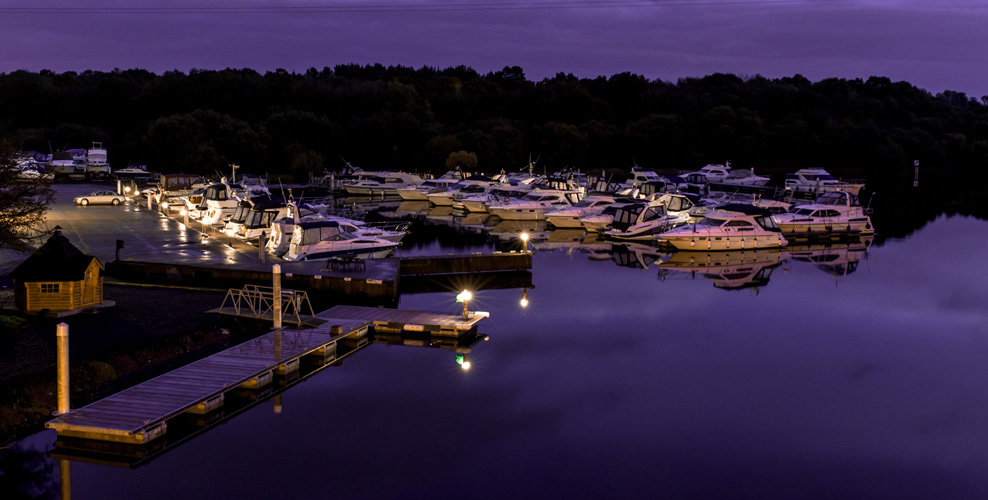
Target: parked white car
100	197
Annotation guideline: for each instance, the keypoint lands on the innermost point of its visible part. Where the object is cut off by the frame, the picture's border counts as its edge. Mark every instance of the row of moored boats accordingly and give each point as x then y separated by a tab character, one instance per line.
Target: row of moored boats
646	207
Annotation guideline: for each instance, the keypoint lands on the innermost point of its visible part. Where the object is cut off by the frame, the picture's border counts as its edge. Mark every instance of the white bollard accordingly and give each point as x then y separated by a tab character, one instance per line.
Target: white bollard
276	299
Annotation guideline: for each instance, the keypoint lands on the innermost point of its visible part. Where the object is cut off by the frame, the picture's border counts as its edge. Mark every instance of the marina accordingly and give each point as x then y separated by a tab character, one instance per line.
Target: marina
571	345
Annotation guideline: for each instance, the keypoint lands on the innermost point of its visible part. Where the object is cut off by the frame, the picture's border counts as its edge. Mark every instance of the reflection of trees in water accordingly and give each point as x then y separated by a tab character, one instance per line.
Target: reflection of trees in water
900	209
27	473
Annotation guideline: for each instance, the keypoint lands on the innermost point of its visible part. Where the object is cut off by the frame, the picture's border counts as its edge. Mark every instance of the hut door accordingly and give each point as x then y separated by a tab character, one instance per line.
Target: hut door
89	288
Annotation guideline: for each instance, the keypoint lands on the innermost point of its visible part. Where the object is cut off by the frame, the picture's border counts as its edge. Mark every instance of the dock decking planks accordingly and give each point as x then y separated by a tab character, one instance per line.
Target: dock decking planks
135	415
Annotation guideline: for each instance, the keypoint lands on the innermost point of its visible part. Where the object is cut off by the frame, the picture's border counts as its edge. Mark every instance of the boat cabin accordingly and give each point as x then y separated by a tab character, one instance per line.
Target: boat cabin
636	213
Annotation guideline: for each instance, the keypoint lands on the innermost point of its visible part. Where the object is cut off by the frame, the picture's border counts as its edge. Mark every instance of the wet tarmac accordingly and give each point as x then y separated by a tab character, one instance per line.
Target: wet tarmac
150	236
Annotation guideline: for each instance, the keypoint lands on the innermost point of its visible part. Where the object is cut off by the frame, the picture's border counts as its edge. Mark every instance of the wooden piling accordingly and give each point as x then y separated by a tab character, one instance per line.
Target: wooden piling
63	368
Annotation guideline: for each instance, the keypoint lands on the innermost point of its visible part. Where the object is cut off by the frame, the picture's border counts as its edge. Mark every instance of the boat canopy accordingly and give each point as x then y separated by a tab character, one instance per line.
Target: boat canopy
745	209
838	198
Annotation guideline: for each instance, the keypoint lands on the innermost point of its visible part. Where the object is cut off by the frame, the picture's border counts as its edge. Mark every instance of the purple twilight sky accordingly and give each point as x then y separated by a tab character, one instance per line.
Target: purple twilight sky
937	45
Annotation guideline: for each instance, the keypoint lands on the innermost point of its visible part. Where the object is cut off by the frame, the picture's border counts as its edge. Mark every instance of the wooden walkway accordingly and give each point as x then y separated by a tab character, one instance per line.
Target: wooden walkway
140	414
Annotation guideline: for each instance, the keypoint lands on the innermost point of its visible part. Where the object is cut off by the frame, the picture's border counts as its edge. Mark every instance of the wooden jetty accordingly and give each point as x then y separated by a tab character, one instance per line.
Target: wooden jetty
140	414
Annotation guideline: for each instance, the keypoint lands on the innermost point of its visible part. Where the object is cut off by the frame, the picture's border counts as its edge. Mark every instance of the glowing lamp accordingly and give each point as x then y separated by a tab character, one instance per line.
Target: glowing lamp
464	297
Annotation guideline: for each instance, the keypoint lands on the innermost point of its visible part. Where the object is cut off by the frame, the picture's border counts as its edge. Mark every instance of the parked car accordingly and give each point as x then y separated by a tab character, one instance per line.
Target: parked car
98	197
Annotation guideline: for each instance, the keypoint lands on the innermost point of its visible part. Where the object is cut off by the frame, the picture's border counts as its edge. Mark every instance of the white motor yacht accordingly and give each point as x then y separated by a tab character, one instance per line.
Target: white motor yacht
817	180
96	161
570	217
499	194
642	221
385	184
535	205
325	239
729	227
258	219
421	191
218	202
833	213
475	185
744	177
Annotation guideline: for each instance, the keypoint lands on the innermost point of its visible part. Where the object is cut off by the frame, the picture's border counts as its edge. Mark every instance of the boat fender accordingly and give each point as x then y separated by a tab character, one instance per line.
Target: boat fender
692	243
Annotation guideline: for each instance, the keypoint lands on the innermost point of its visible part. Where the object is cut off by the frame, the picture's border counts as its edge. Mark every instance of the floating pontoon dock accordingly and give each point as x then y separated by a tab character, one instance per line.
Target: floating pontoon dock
140	414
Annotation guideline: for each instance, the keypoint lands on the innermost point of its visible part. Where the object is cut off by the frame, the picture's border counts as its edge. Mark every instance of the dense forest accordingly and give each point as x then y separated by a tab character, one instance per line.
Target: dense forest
411	119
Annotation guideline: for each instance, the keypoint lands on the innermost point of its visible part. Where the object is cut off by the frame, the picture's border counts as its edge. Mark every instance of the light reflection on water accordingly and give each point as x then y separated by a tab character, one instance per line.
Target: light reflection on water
632	381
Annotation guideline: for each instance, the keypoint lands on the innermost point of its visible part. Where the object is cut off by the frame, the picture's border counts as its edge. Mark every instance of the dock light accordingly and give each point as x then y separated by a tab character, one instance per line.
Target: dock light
461	359
464	297
164	207
524	241
185	215
524	297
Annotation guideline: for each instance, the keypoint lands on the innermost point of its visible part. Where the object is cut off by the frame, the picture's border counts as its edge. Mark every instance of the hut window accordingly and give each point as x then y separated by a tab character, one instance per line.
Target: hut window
49	288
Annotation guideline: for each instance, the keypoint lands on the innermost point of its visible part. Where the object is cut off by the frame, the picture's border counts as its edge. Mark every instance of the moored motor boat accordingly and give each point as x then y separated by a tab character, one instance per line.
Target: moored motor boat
325	239
729	227
642	221
833	213
570	217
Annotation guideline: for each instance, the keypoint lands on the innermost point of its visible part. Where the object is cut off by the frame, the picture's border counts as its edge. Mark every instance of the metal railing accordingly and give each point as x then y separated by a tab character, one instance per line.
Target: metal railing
258	302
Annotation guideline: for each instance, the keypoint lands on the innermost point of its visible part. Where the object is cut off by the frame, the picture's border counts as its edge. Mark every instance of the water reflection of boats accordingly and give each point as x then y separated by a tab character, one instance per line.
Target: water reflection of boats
472	219
412	208
837	259
637	255
730	270
366	204
572	240
443	214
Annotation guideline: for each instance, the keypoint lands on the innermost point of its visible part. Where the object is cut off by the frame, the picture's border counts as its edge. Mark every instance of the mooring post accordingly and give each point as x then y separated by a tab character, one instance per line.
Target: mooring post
149	201
276	299
62	332
119	187
65	474
261	242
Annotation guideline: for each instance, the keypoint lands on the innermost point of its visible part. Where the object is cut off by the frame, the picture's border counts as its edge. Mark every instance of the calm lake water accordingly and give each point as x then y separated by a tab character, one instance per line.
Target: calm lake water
620	382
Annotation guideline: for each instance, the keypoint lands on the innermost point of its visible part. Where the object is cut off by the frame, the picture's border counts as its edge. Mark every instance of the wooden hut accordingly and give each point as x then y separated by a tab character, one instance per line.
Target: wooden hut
58	278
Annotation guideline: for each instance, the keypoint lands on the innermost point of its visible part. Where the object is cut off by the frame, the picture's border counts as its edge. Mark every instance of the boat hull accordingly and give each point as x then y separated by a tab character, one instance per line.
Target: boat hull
826	228
699	241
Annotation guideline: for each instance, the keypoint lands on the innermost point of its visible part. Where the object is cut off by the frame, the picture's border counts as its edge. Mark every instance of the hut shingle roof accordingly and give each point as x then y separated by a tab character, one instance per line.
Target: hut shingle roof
57	260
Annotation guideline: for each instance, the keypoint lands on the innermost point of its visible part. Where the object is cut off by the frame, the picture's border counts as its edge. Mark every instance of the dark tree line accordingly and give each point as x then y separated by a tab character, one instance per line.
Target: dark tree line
411	119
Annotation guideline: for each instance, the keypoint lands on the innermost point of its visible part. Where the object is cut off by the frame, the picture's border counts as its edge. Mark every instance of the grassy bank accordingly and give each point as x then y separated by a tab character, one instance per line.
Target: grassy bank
149	332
